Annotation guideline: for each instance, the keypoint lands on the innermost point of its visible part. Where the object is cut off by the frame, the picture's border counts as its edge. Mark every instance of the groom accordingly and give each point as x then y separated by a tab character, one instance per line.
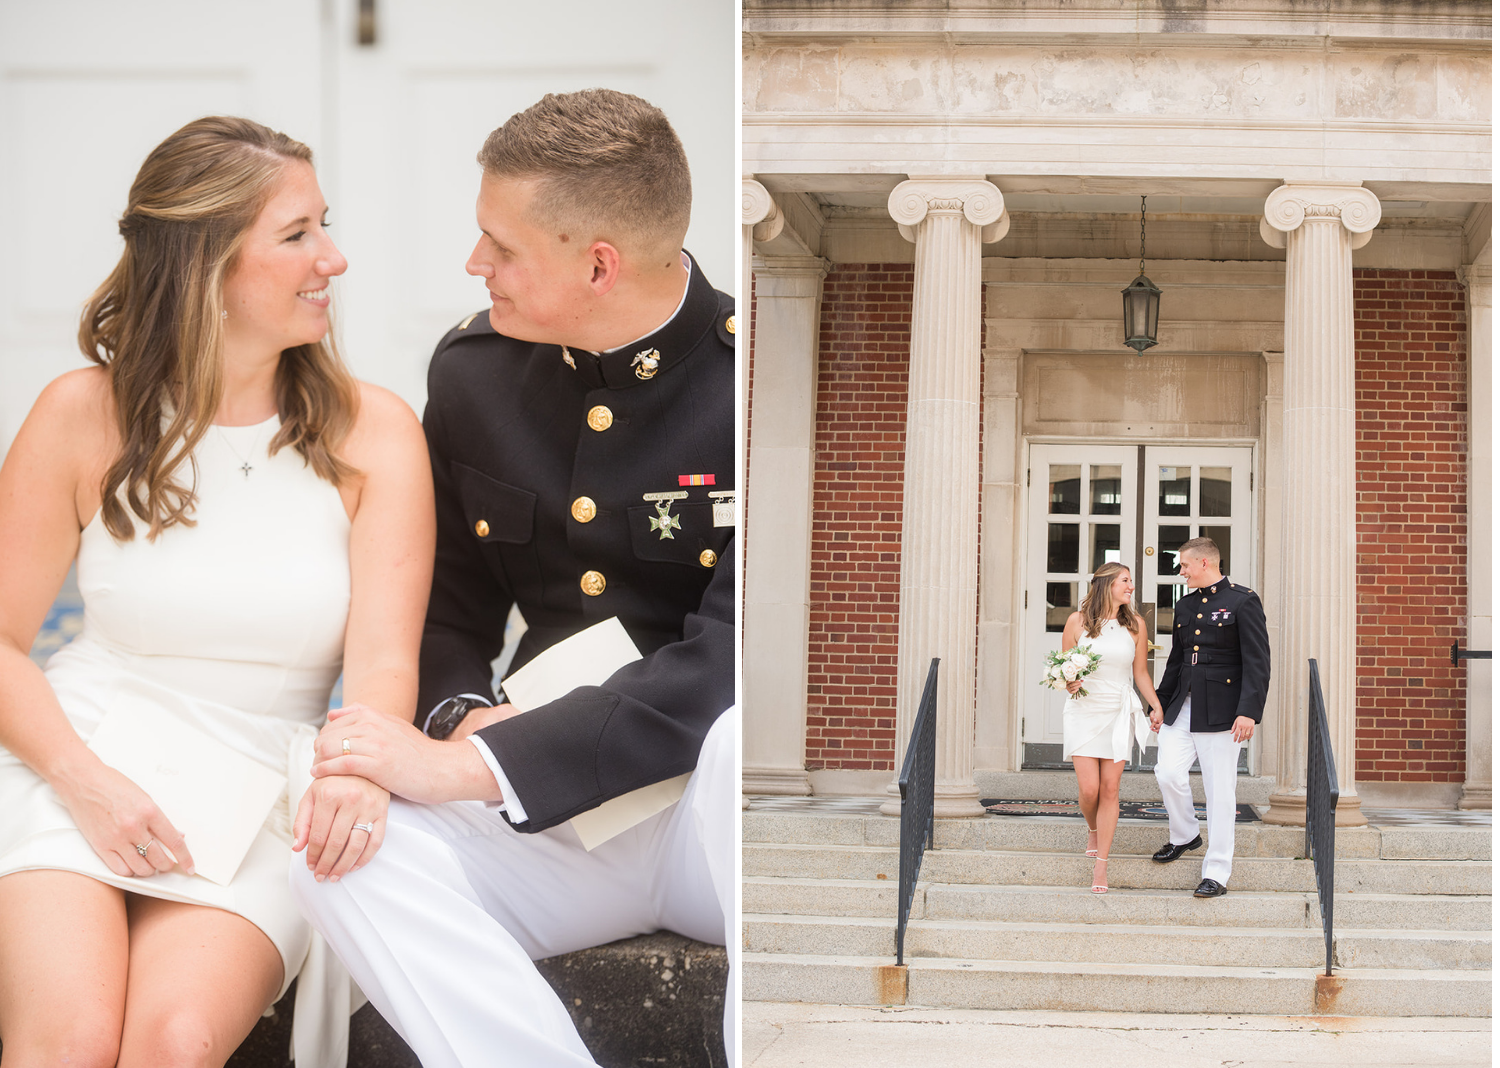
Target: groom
581	435
1212	694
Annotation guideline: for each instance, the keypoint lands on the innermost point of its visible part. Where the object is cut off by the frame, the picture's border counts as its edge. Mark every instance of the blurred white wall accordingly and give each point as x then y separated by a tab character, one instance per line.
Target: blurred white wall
87	87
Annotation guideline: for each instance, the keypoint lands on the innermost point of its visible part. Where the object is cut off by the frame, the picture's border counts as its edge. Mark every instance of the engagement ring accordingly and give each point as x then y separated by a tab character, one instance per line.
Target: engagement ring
348	747
142	849
368	828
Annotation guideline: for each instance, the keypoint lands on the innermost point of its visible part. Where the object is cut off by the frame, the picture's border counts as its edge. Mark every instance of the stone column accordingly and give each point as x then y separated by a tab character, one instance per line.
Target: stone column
1479	732
948	219
775	699
1319	225
778	524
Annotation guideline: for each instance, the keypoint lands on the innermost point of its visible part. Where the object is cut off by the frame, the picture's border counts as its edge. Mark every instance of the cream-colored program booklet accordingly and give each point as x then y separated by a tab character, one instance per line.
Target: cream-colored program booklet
589	658
216	796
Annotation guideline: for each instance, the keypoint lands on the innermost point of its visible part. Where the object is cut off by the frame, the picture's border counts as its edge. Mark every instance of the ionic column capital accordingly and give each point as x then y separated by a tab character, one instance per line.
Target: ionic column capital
757	209
980	202
1294	203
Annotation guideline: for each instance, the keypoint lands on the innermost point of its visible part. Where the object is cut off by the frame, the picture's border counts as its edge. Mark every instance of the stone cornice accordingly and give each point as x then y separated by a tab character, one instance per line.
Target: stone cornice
981	203
1393	21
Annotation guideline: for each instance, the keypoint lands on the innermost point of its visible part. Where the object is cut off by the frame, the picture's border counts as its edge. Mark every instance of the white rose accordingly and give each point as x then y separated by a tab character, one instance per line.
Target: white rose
1079	659
1070	671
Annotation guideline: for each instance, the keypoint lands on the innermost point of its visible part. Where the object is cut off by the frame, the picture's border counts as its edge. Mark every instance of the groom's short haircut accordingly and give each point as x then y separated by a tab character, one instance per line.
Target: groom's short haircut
1203	548
609	167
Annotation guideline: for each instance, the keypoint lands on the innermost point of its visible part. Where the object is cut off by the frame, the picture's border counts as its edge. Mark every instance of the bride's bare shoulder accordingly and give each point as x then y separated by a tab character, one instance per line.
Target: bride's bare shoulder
75	413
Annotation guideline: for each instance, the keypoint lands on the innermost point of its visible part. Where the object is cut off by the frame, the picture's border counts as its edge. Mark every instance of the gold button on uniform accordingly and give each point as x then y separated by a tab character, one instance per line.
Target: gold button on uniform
592	583
708	558
729	325
482	529
600	418
584	510
1200	615
1195	632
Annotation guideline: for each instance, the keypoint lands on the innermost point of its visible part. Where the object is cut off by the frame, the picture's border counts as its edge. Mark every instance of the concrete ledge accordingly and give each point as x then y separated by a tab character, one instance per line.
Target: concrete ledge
653	1000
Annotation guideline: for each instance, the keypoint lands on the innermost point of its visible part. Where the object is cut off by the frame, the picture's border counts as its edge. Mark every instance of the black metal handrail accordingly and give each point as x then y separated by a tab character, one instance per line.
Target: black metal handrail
918	775
1322	800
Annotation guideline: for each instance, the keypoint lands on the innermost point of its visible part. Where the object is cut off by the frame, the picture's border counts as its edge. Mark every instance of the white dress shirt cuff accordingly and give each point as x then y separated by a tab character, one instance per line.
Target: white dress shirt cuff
509	804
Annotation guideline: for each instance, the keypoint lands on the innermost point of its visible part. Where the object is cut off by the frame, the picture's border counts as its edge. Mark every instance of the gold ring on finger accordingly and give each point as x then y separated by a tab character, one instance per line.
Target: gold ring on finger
348	746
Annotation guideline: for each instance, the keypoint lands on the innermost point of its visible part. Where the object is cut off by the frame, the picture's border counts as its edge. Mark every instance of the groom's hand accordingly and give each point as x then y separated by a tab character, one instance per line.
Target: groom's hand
480	718
393	754
1244	728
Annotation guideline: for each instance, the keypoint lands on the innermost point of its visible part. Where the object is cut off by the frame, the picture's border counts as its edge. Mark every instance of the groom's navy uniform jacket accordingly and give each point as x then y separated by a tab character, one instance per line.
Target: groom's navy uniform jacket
542	471
1220	655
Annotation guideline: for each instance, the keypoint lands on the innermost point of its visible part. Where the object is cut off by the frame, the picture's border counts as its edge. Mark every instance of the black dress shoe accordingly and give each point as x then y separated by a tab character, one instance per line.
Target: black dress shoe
1169	852
1210	888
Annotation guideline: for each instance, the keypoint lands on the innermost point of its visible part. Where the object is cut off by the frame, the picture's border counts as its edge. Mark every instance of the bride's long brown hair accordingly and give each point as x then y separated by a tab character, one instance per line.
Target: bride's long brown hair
1096	603
157	326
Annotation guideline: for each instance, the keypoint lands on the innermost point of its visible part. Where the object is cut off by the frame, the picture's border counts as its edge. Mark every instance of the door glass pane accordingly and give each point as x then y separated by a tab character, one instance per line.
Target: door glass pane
1167	596
1062	545
1220	535
1213	490
1174	483
1105	544
1062	602
1063	480
1168	541
1104	489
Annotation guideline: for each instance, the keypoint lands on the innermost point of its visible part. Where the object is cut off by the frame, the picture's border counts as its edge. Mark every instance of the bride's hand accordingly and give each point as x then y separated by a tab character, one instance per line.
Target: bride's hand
1075	686
326	825
1156	718
117	817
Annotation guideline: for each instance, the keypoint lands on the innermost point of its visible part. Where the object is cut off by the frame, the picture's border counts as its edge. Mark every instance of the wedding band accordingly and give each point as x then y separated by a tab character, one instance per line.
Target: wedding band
348	747
368	828
143	849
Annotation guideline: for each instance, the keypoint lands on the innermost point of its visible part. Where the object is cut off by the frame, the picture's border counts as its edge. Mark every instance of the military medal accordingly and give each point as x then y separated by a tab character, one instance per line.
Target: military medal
723	507
664	521
645	363
695	480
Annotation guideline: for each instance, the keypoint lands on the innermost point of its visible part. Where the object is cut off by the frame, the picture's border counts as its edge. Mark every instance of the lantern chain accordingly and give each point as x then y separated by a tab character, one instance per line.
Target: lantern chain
1143	235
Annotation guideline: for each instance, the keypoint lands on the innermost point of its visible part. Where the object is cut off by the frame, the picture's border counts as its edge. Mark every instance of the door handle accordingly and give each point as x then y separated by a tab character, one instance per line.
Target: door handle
365	25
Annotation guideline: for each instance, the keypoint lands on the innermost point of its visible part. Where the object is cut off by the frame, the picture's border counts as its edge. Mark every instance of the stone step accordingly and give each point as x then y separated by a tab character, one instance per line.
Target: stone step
1074	904
1095	987
1233	947
1042	834
1125	871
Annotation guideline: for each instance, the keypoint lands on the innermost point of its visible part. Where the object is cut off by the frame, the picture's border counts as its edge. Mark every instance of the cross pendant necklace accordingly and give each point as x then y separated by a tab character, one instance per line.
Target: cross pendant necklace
245	465
247	468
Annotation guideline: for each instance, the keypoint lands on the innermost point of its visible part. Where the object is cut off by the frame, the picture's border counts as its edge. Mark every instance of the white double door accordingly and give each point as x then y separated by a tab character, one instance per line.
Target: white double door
87	87
1088	505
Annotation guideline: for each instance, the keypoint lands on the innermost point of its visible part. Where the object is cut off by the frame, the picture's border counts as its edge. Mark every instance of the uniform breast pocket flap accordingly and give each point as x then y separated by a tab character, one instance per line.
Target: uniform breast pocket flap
495	511
682	534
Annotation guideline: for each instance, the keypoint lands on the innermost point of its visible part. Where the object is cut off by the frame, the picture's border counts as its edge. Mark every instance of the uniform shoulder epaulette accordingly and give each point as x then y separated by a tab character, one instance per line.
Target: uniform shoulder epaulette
1241	589
469	326
727	325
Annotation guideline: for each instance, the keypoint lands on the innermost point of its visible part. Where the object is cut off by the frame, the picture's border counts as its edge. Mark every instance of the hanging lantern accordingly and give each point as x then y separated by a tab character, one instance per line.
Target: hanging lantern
1142	302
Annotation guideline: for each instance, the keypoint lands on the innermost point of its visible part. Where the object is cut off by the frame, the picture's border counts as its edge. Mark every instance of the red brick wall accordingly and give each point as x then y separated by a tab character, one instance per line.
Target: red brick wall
1411	404
863	347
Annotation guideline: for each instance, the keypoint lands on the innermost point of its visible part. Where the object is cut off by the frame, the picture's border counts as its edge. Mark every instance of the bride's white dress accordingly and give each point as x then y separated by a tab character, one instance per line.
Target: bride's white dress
235	625
1102	724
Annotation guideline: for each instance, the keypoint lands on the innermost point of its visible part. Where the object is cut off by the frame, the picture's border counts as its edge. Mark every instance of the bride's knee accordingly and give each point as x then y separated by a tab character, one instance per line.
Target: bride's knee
181	1038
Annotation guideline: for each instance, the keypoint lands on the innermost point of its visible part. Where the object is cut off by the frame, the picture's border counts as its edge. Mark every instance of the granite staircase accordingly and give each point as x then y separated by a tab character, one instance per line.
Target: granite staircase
1003	918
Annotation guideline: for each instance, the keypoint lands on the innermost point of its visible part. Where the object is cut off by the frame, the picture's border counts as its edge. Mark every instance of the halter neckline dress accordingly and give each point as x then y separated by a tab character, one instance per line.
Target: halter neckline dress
1103	723
235	625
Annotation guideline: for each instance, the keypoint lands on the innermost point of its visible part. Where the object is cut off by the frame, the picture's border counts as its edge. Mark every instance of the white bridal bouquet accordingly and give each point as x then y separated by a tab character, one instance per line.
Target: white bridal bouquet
1075	664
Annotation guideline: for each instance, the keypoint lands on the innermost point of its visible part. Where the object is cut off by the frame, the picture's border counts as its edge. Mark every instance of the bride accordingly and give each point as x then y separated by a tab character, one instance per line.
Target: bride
1098	727
247	520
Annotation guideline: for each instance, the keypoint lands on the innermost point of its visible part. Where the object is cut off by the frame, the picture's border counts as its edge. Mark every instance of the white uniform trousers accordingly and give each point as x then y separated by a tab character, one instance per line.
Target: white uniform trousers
440	929
1218	757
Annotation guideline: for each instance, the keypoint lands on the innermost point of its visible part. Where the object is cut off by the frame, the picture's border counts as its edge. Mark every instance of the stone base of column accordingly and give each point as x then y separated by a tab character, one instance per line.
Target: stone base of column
778	782
952	801
1475	795
1288	808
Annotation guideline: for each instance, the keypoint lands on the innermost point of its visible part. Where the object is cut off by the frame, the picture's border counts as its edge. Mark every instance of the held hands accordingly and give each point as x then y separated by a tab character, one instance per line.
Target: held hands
341	824
1244	728
123	825
1157	716
394	755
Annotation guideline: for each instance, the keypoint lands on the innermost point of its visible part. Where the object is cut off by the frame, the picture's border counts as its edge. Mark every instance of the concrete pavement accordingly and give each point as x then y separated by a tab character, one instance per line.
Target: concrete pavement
787	1035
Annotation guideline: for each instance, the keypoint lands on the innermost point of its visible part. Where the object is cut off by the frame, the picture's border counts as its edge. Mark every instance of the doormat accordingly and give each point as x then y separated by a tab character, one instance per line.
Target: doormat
1139	810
